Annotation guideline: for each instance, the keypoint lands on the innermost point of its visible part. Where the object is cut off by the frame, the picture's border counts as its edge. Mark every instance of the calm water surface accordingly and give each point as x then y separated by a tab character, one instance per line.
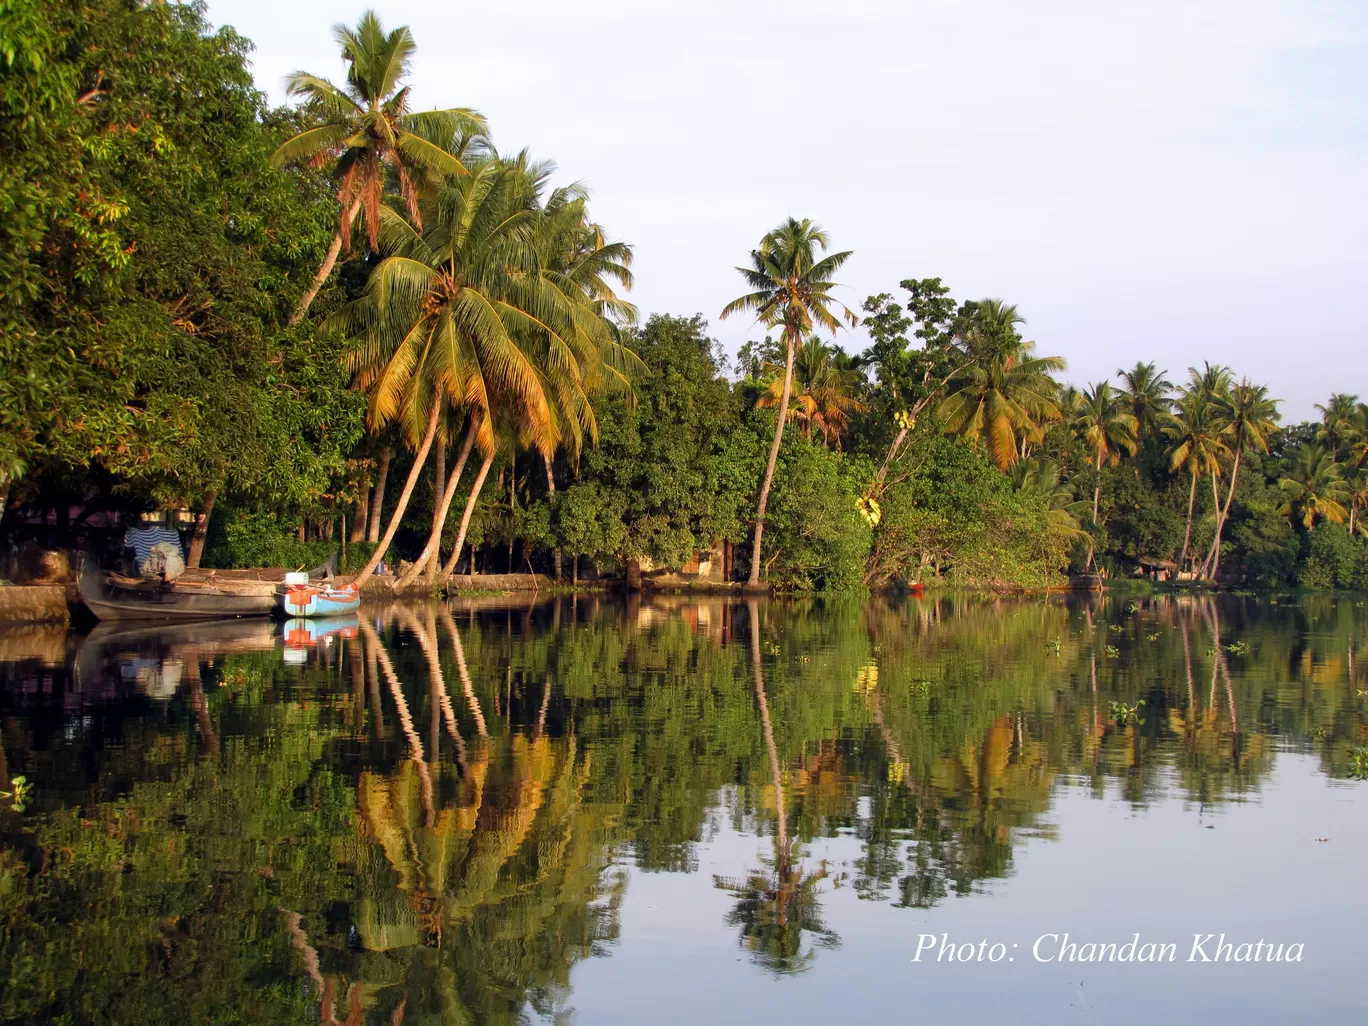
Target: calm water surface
690	812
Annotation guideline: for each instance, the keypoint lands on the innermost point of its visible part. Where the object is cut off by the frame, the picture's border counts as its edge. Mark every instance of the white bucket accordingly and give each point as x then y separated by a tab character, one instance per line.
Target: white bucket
296	577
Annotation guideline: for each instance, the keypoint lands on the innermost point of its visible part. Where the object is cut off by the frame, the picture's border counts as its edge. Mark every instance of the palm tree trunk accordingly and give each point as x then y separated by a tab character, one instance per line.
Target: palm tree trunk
360	513
450	567
377	505
1097	498
329	259
439	473
429	558
1214	557
1216	502
201	530
419	458
1187	535
754	580
556	566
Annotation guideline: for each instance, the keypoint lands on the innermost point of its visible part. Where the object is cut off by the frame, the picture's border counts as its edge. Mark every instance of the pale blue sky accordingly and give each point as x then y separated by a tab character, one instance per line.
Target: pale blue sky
1178	180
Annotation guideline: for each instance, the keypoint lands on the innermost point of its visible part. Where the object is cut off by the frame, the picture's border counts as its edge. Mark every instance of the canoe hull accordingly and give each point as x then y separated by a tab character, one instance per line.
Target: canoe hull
306	602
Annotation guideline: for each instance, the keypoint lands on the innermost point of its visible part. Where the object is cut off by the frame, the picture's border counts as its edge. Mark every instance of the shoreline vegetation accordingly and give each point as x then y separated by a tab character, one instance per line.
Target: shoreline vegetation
345	323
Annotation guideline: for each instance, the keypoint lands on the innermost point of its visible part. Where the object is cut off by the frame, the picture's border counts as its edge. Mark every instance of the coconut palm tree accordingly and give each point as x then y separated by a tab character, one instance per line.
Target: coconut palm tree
1341	425
791	288
368	134
583	355
1147	397
1248	416
1315	487
828	379
1197	447
456	314
1041	479
1004	393
1103	423
1356	484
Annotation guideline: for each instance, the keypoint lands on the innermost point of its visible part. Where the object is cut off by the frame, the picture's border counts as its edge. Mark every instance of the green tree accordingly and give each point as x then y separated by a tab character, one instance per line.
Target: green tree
792	288
152	253
908	377
654	487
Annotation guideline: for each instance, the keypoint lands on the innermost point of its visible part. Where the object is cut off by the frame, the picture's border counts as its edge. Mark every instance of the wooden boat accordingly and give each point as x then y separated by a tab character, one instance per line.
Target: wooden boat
194	595
1086	582
115	597
318	600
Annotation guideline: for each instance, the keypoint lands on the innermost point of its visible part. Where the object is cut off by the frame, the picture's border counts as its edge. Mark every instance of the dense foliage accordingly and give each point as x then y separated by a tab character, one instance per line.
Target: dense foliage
150	251
209	304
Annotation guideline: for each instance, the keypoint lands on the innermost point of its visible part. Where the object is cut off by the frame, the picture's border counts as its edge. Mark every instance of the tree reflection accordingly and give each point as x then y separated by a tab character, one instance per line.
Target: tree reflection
444	828
777	904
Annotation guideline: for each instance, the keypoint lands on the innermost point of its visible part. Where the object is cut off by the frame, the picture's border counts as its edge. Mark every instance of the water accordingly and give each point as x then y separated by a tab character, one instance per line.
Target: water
691	811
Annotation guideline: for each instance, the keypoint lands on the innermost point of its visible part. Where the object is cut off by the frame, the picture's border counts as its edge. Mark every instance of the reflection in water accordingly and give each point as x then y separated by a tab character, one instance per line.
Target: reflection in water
434	814
778	904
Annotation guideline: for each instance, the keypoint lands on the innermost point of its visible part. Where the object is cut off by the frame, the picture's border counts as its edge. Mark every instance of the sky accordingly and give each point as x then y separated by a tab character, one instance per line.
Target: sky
1168	180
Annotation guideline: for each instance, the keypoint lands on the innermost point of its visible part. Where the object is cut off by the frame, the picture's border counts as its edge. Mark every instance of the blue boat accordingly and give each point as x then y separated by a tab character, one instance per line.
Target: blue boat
303	600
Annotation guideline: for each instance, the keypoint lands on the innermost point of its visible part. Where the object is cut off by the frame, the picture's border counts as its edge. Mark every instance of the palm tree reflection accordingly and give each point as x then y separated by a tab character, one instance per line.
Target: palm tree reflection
778	902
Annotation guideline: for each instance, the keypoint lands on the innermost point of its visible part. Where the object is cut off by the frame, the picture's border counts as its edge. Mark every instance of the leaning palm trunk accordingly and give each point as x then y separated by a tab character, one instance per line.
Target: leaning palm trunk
1097	498
1214	556
450	567
773	459
1187	535
329	259
419	458
429	558
1205	568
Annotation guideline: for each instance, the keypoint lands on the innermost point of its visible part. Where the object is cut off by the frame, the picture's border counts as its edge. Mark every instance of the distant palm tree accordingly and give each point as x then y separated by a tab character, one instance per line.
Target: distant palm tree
1248	416
1341	424
1103	423
1197	447
1356	484
1004	392
1211	381
1315	487
369	133
791	288
828	380
1147	395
